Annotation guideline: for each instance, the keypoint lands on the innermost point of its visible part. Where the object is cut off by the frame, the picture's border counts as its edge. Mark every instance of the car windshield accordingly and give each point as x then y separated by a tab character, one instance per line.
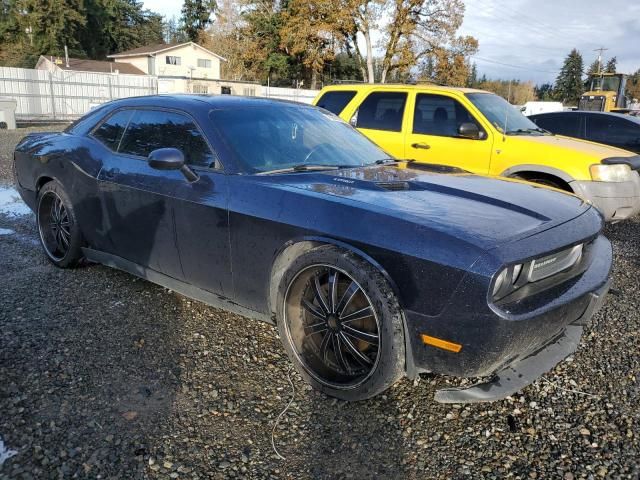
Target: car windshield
504	116
281	137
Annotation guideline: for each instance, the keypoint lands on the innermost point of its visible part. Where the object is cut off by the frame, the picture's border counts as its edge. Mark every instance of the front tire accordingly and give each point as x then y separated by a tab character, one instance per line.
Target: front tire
341	324
58	229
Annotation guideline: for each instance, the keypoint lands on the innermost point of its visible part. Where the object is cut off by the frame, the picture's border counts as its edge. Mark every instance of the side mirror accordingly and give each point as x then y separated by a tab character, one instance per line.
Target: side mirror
171	159
469	130
166	159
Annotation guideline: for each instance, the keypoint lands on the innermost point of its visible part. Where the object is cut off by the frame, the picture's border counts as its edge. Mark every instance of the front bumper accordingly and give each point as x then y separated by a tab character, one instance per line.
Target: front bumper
523	372
616	200
515	335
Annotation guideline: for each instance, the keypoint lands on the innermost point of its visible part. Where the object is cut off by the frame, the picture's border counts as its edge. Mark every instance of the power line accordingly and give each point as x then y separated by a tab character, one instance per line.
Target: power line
521	67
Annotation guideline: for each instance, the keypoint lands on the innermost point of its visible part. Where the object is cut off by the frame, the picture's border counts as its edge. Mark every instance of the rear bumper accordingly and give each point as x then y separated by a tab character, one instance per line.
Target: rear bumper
493	339
616	200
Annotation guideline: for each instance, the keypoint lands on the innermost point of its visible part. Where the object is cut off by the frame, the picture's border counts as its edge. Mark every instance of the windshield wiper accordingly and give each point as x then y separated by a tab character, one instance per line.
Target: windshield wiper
384	161
526	131
301	168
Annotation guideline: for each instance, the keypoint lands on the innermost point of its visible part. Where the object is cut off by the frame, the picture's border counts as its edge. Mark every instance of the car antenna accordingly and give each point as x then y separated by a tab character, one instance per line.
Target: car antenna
506	114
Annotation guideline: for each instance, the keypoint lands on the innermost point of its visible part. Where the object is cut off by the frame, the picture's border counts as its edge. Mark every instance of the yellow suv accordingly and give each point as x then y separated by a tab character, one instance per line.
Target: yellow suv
484	134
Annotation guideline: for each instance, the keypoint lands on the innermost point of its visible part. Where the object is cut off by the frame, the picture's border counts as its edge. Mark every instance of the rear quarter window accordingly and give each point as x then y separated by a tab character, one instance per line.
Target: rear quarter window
382	111
335	101
110	131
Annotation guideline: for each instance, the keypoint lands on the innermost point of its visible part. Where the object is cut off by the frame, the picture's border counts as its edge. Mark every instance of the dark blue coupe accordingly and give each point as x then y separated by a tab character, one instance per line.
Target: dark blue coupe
372	268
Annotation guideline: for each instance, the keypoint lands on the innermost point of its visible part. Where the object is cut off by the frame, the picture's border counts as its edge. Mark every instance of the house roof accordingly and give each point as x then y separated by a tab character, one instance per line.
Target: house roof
84	65
149	50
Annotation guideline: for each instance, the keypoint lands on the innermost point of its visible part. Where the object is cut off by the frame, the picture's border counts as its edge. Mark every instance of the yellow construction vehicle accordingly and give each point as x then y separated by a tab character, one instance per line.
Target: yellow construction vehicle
606	93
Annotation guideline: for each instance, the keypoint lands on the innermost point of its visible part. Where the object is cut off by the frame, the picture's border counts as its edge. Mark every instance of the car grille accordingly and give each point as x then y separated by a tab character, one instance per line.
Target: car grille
592	103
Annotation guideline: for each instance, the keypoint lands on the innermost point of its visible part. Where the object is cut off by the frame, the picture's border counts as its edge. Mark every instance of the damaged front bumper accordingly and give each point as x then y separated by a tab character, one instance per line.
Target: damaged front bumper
521	373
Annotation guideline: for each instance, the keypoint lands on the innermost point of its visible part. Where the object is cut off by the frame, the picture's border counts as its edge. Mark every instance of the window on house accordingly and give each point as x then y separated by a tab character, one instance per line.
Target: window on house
204	63
172	60
200	88
225	90
249	92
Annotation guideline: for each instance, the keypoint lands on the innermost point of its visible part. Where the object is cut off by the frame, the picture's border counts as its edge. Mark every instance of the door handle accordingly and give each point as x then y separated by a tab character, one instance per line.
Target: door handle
424	146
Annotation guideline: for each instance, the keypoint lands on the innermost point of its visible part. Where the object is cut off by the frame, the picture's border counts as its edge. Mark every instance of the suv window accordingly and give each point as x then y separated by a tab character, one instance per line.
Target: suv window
563	124
110	131
149	130
335	101
382	111
440	115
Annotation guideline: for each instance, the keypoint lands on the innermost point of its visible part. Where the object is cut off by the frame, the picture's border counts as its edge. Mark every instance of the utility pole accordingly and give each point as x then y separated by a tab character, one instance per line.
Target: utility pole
600	51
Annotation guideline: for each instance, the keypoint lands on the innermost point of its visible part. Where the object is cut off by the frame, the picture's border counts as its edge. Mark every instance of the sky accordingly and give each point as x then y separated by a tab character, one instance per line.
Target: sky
529	39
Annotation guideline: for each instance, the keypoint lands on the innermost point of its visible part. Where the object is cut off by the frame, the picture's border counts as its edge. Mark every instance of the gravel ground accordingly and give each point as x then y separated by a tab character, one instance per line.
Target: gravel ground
103	375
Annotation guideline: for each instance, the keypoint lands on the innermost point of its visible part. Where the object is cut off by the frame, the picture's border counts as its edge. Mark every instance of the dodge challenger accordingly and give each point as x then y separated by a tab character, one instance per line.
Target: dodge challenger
372	268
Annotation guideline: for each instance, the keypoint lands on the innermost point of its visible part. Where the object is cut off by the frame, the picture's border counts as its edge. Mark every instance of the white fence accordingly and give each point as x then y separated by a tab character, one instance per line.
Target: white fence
65	95
294	94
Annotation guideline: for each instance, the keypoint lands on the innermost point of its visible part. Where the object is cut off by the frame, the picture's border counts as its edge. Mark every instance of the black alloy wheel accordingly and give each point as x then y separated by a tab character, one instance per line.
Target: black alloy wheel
57	226
332	326
54	225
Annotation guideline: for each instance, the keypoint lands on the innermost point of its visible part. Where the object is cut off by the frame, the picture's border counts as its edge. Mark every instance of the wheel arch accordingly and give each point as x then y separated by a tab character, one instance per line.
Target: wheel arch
42	180
552	173
290	250
293	248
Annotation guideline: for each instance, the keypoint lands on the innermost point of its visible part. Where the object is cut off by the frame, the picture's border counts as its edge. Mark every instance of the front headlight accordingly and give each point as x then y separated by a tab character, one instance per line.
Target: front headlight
610	173
511	278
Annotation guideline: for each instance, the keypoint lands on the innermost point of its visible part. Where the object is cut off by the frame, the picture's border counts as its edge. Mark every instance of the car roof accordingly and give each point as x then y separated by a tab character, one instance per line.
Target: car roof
576	112
400	86
200	101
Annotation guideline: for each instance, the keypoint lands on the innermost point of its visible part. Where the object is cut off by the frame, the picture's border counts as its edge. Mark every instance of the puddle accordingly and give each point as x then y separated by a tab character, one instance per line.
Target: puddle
6	231
11	204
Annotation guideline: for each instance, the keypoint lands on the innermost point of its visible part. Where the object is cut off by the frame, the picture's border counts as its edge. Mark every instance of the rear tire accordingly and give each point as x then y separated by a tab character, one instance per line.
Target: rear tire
341	324
58	229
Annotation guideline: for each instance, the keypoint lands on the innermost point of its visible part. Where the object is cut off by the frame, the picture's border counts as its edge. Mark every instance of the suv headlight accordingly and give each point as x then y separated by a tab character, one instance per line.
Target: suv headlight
510	278
610	173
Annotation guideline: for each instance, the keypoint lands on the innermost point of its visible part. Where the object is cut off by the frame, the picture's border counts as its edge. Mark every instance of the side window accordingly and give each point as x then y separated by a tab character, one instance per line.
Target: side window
439	115
612	130
563	124
149	130
382	111
335	101
110	131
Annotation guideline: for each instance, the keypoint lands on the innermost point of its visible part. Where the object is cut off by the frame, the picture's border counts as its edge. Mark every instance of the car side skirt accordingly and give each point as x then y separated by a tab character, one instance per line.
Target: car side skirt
183	288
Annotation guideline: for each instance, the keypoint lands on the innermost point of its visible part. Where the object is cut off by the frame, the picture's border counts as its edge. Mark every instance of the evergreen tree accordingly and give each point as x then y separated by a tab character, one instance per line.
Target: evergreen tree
472	80
611	65
196	16
569	85
544	92
594	68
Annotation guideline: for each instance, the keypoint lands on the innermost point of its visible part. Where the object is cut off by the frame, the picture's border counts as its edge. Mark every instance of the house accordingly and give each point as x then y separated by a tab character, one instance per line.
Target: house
188	60
54	64
185	67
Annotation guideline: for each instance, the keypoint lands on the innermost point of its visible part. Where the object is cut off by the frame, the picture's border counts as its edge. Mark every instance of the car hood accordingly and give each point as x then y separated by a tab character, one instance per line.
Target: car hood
483	211
595	151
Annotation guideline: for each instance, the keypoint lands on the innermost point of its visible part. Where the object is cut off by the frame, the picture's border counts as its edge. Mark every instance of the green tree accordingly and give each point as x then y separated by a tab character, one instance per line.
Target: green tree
569	84
196	16
544	92
117	25
472	79
611	65
594	68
